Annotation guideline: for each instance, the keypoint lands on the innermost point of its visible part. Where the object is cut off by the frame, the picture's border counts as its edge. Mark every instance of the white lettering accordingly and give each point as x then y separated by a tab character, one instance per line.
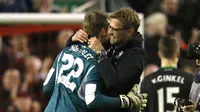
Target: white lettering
173	78
153	81
182	80
159	78
65	81
168	78
82	52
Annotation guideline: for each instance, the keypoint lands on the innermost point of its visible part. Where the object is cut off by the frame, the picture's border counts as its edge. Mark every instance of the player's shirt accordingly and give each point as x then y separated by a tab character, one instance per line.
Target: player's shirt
195	90
73	82
163	87
195	94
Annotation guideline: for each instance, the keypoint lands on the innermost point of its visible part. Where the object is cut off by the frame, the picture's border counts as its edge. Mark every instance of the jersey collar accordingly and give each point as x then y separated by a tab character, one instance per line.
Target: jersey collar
169	67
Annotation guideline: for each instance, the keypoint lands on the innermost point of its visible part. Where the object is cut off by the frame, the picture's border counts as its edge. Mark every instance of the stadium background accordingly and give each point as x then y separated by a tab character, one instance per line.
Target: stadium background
28	50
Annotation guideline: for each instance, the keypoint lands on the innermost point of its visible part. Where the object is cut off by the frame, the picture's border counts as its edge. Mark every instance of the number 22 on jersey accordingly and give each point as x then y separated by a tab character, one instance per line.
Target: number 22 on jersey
70	65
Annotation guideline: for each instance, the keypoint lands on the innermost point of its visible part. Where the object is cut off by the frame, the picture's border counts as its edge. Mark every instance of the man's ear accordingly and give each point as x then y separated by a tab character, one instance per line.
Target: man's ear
159	55
103	31
130	32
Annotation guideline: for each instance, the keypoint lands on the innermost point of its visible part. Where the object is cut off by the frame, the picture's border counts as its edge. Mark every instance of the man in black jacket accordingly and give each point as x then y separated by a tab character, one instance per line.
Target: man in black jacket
120	65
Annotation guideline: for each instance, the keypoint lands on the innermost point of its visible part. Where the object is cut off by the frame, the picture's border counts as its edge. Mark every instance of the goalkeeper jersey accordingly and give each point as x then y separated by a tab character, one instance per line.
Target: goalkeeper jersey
73	82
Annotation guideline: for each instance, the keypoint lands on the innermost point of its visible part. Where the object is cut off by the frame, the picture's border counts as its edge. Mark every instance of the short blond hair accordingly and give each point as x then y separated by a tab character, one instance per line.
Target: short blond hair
168	46
94	21
128	17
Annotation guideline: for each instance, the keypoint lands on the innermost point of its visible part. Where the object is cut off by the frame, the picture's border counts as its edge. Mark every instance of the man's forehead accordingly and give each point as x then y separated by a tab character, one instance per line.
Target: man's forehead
114	22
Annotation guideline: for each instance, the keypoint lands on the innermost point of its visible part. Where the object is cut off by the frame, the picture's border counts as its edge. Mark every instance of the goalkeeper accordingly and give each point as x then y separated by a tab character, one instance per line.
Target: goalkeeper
73	83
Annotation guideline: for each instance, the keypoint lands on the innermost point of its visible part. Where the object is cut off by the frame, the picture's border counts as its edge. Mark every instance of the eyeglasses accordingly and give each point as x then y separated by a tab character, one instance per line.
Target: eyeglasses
115	29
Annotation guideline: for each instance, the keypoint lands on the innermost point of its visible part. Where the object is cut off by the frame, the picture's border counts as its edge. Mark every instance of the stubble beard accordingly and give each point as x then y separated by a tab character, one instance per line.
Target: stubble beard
113	40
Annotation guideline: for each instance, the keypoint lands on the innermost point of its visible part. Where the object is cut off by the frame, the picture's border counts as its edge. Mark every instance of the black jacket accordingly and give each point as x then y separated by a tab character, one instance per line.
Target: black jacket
124	67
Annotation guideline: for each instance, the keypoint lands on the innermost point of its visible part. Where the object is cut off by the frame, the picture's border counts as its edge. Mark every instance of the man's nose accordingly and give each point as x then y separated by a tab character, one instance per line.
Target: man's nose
110	31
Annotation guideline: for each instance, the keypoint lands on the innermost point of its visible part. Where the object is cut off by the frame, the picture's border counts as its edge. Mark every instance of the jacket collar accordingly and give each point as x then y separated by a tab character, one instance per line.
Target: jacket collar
136	40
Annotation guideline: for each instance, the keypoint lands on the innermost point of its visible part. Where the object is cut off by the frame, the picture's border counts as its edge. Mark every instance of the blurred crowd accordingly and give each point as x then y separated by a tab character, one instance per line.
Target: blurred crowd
179	18
28	6
26	59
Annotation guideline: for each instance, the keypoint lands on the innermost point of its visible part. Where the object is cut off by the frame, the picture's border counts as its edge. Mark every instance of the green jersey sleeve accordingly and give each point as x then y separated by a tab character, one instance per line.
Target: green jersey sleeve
93	97
49	83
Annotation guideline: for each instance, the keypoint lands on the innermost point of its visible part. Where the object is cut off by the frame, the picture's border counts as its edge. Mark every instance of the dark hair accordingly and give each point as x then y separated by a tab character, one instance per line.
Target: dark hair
94	21
168	47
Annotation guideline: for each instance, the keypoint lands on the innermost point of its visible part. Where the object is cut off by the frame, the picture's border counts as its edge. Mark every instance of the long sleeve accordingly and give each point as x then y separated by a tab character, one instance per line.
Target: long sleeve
49	83
143	90
93	97
96	100
143	87
128	70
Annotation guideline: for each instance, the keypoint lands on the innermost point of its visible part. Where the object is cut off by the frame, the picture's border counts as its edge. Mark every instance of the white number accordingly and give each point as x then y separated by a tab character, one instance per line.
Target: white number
51	71
69	59
160	100
170	99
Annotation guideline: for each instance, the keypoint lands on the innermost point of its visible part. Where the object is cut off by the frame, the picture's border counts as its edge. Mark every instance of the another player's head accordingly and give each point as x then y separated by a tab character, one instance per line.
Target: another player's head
123	24
168	50
95	24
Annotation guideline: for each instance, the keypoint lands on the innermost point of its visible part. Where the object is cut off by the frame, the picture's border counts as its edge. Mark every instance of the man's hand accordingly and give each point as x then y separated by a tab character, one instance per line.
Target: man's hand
198	63
134	100
189	108
95	45
138	104
80	36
